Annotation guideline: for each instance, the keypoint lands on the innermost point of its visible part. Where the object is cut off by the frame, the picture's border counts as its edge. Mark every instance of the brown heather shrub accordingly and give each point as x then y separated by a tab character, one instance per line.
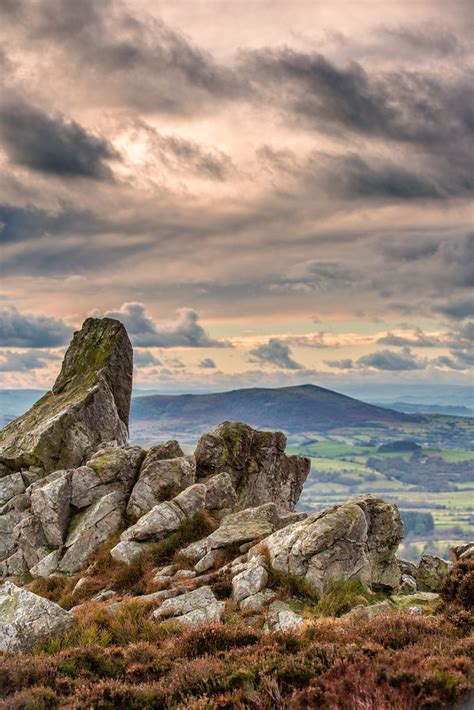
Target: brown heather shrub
458	587
398	662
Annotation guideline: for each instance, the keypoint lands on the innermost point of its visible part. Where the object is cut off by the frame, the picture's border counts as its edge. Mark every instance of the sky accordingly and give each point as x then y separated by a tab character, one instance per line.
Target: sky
265	193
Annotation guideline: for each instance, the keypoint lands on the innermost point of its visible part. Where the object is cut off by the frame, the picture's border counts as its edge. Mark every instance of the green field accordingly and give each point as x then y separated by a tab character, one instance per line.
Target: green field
340	471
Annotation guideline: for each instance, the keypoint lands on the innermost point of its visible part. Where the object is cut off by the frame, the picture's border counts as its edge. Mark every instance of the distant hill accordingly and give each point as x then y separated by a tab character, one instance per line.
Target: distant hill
293	409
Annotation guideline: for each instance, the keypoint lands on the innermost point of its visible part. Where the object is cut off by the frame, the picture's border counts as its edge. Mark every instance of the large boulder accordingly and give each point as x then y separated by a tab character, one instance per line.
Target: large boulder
26	618
431	573
256	461
87	407
355	540
192	608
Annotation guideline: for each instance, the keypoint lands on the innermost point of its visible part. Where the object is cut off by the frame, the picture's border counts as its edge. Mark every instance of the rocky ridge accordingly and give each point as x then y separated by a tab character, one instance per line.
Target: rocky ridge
69	484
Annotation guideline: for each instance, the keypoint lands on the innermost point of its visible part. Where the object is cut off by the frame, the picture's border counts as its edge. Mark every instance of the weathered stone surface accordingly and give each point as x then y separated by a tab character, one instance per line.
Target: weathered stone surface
109	470
220	492
51	505
356	540
250	581
47	565
13	566
462	552
159	480
245	525
256	603
11	486
88	405
127	550
31	540
431	573
365	613
8	543
193	608
406	567
256	461
407	584
210	560
282	618
168	516
26	618
89	529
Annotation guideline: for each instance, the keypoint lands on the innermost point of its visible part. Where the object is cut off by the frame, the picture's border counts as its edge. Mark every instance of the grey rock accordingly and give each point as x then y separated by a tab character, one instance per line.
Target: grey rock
168	516
47	566
165	473
220	492
245	525
51	505
365	613
11	486
282	618
31	540
257	602
463	552
408	584
127	550
87	407
90	529
26	618
192	608
8	539
249	581
256	461
406	567
431	573
356	540
210	560
14	566
110	470
185	573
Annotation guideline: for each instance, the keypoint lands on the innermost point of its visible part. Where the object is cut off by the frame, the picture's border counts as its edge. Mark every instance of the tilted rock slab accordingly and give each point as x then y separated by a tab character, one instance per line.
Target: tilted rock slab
87	407
26	618
261	472
355	540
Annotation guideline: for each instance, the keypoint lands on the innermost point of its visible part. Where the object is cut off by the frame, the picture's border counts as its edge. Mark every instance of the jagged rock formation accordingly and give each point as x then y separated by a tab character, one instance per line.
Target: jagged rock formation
257	463
88	405
70	482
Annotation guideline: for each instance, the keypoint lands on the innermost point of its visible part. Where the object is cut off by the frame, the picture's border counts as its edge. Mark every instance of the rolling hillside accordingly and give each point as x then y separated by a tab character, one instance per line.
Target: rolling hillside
293	409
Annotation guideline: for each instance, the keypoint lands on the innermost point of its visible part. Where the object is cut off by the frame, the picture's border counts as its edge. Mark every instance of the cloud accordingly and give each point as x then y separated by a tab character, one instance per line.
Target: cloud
52	145
274	353
458	308
416	339
11	361
385	360
29	330
392	361
145	358
207	364
184	331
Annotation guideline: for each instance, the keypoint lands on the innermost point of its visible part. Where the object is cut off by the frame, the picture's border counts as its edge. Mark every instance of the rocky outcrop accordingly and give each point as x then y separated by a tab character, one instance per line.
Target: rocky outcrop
256	462
192	608
87	406
27	619
355	540
431	573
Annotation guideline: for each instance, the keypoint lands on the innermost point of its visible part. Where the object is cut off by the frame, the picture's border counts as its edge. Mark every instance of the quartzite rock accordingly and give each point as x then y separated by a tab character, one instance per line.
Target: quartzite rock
87	407
109	470
26	618
431	573
51	504
159	480
356	540
193	608
256	461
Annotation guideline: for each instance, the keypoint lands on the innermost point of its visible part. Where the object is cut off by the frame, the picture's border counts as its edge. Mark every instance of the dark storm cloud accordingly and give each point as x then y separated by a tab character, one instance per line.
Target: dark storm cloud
275	353
185	331
402	106
52	145
409	248
186	155
457	308
28	330
11	361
